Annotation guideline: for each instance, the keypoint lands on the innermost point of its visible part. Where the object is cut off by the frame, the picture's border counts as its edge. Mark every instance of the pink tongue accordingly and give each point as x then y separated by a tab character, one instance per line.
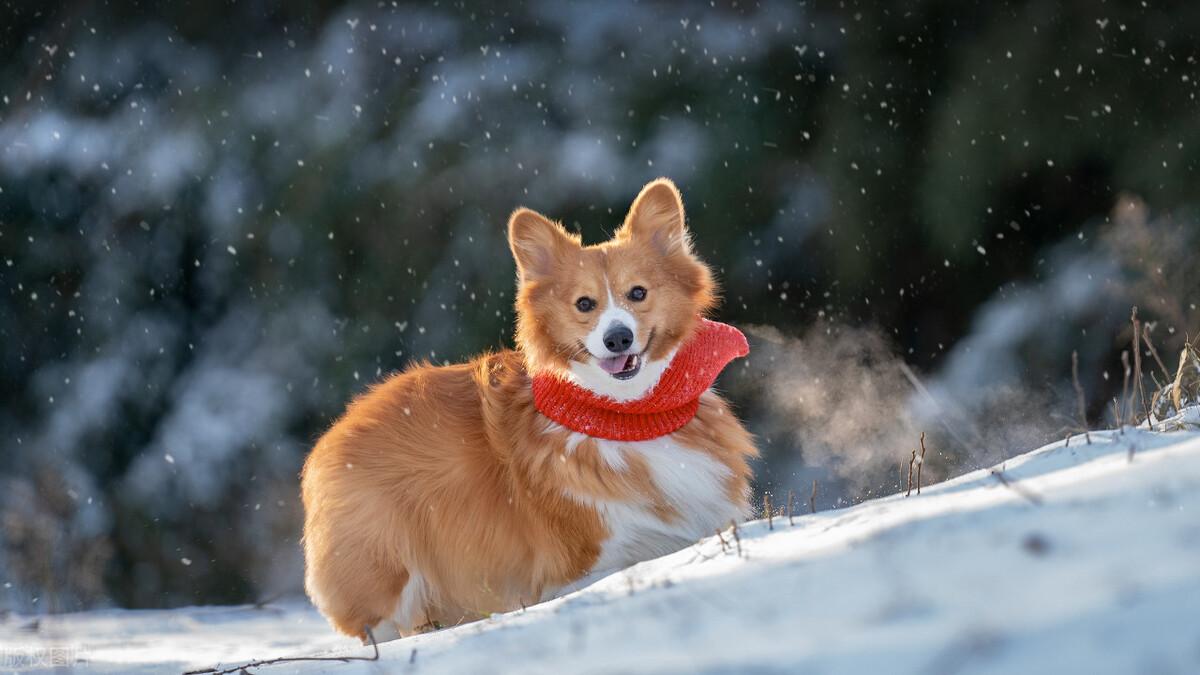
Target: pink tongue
614	364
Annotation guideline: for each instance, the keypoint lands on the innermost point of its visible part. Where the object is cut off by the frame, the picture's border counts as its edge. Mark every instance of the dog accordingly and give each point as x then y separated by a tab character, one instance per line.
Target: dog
446	494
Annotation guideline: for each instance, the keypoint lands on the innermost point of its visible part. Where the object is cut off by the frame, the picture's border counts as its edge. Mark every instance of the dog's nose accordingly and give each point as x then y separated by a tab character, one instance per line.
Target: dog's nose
618	338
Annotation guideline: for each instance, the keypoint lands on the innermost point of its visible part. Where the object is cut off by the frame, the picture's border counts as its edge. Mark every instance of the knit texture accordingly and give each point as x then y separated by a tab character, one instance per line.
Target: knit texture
672	402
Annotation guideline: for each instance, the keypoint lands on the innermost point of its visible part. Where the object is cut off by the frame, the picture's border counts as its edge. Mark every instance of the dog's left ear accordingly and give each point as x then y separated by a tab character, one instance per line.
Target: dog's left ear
657	218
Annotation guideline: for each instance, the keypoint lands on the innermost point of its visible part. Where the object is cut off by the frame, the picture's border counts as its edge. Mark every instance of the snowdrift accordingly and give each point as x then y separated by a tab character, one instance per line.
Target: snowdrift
1075	557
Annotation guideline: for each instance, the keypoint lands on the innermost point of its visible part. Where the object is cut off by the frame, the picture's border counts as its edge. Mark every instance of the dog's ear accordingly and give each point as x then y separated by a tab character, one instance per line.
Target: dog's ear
537	243
657	218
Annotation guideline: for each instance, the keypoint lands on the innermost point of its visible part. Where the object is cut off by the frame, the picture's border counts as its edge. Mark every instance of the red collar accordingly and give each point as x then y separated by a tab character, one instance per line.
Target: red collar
671	404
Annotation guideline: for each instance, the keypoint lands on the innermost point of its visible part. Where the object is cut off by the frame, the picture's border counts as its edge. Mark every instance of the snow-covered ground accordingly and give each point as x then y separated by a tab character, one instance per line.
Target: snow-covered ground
1075	558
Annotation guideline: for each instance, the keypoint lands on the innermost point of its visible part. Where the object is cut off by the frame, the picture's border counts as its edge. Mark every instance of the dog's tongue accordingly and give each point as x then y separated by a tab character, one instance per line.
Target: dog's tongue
614	364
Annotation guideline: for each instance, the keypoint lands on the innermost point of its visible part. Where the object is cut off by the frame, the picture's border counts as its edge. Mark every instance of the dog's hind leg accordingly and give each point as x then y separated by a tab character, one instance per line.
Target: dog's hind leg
352	592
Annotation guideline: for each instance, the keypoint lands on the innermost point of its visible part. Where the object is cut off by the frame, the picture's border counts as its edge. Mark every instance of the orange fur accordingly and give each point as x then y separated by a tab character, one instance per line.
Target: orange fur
447	480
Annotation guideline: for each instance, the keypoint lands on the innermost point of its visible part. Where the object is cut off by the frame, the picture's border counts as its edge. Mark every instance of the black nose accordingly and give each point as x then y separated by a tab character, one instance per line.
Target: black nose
618	338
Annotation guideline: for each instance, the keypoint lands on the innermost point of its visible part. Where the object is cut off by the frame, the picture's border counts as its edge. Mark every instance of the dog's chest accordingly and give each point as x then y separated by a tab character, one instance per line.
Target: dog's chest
692	484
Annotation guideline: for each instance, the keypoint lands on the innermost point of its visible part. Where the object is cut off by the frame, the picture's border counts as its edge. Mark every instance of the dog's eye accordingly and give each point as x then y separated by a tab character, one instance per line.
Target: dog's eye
637	294
585	304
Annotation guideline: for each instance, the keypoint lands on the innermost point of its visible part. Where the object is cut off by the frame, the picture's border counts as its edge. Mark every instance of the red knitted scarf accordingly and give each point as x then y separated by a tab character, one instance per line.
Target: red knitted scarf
672	402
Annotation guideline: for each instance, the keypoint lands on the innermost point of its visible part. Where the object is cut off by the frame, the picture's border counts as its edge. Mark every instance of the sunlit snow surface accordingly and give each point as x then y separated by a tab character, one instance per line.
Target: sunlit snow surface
1091	564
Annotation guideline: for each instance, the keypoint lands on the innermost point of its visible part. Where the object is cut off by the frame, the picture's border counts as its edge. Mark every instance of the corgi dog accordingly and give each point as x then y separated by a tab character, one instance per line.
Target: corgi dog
446	494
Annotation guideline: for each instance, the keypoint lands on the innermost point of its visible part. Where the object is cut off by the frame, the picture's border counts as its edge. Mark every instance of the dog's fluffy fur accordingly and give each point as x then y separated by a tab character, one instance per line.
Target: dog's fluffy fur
442	495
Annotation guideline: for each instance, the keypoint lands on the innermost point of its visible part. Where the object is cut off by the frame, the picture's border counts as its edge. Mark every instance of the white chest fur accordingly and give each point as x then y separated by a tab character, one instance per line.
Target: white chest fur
691	482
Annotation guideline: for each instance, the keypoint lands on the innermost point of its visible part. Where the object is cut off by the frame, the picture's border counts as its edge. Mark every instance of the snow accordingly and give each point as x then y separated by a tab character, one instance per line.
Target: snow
1085	558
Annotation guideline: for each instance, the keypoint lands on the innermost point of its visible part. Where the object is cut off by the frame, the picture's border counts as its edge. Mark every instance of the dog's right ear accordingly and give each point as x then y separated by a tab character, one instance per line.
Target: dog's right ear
538	244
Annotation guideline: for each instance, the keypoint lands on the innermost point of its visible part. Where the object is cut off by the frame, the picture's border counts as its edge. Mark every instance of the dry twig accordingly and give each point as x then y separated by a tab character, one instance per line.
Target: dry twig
1079	395
812	498
736	537
767	508
1154	352
1025	492
289	659
1126	370
911	460
1177	392
1137	367
919	466
791	500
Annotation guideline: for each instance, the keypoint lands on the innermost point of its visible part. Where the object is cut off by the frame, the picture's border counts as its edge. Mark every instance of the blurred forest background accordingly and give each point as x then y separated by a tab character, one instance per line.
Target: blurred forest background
220	221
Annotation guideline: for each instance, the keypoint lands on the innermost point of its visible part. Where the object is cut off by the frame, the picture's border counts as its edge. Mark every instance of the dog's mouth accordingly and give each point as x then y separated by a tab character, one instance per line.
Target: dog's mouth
622	367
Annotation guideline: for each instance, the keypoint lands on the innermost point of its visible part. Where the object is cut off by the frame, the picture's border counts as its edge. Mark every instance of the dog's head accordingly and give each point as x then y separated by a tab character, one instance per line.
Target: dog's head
609	316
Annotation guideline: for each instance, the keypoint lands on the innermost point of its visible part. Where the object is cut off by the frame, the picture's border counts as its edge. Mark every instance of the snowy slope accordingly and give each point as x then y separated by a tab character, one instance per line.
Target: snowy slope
1086	561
